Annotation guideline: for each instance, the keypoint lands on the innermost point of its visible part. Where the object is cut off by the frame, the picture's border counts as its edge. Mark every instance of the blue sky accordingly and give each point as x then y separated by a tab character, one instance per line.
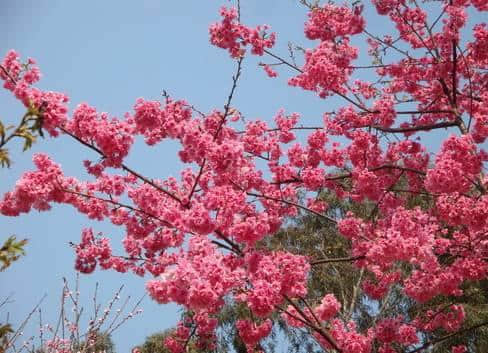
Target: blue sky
108	53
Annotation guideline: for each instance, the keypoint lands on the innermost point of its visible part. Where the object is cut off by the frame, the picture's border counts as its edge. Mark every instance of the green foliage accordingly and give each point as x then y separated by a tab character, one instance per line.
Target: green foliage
5	330
228	337
29	128
10	251
155	343
103	343
4	158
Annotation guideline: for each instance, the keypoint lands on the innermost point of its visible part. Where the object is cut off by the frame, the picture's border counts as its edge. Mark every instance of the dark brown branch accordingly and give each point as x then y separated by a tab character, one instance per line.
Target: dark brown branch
437	19
319	330
454	73
187	341
470	96
385	166
445	89
446	337
405	169
150	182
258	156
395	130
292	204
294	67
349	175
301	71
387	44
415	192
288	181
310	309
390	129
219	244
235	78
454	69
393	64
124	167
436	58
439	111
8	74
338	259
119	204
197	179
233	245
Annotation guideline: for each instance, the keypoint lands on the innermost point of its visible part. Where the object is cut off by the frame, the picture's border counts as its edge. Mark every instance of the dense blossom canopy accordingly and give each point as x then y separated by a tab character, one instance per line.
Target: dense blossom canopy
199	235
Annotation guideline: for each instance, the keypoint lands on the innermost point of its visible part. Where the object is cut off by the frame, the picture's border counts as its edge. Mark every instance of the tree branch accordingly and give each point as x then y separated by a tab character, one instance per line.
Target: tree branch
414	128
337	259
319	330
123	166
292	204
446	337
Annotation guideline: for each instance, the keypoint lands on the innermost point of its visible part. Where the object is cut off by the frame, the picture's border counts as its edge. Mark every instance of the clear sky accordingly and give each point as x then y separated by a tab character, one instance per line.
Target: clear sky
108	53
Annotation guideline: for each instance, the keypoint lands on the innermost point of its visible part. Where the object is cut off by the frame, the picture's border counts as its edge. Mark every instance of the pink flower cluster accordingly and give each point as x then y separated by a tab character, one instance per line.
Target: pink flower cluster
450	319
156	123
251	333
328	308
273	276
19	78
199	279
393	330
331	21
58	345
113	137
35	189
269	71
90	251
347	338
199	328
232	36
327	68
457	164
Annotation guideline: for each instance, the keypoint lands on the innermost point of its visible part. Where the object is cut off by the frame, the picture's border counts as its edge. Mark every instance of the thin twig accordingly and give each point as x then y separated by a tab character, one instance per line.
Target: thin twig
8	74
26	320
337	259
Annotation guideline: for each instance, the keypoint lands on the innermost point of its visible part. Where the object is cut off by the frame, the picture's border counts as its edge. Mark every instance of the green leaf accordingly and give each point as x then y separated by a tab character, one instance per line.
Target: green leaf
5	329
28	143
11	250
4	158
37	125
2	131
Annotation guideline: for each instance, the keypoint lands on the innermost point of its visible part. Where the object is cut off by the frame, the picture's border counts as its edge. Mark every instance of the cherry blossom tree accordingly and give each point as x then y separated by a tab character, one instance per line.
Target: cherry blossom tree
200	236
319	239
